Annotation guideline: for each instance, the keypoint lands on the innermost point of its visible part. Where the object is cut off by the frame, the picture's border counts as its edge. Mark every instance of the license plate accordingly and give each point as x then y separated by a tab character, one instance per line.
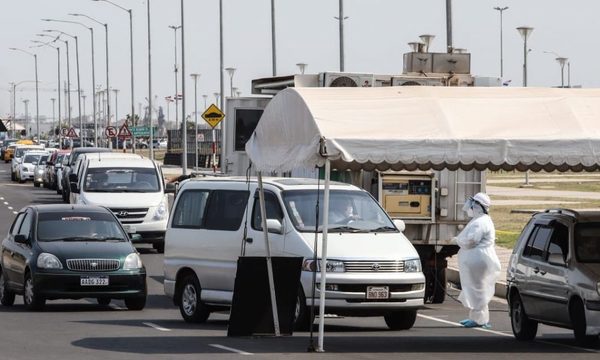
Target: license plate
378	292
94	281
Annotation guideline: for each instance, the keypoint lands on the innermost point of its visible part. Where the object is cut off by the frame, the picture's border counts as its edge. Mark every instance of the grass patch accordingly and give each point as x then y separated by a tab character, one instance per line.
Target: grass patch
588	186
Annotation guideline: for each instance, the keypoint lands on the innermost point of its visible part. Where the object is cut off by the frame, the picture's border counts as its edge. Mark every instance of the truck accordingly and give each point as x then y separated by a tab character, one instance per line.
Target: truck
429	202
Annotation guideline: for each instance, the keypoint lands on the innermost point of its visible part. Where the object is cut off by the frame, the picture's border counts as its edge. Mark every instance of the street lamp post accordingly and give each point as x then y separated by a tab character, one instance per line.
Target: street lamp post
37	103
14	104
204	97
53	116
230	71
131	60
175	28
40	43
27	132
341	19
183	118
302	67
151	142
216	94
525	31
107	82
273	42
501	10
195	77
562	61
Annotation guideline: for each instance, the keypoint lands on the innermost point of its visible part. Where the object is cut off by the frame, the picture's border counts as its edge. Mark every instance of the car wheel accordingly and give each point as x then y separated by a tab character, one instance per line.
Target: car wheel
159	247
401	320
523	328
7	297
191	307
302	316
30	297
579	323
103	301
135	303
36	184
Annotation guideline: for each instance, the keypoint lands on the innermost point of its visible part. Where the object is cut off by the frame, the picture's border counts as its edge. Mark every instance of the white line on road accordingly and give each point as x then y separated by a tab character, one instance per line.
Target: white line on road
504	334
1	198
10	208
14	212
152	325
230	349
6	203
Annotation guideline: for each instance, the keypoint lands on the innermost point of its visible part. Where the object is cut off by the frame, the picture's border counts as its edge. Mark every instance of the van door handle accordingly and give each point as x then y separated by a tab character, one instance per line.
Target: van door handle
249	240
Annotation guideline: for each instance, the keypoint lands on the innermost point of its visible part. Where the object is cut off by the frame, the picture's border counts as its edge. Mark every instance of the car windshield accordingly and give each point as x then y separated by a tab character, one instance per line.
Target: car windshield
587	242
349	211
82	226
121	180
31	159
20	151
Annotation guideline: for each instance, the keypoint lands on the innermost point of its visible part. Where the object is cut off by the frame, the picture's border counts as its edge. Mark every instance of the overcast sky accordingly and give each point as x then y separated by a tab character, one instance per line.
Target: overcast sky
377	33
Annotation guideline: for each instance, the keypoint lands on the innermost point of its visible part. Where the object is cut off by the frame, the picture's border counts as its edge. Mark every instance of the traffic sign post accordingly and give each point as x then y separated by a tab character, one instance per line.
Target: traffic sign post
64	131
213	116
72	133
142	131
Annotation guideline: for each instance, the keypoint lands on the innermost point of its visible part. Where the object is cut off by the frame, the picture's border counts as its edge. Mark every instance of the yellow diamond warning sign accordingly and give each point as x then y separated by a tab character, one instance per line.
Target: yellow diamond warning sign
213	115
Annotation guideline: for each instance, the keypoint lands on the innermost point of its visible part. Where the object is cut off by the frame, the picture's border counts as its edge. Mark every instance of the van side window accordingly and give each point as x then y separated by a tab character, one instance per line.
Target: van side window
559	242
190	209
226	209
536	245
272	207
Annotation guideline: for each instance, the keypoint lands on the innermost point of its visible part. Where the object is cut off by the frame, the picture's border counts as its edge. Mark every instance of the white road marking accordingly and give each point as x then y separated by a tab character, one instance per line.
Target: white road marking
6	203
14	212
152	325
230	349
10	208
1	198
504	334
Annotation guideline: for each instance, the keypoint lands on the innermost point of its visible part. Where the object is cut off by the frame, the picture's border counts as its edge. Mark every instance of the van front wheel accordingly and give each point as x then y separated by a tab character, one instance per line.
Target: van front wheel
401	320
190	306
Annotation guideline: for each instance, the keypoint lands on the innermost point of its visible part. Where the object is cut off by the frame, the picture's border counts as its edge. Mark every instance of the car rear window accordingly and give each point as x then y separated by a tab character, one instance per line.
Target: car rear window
587	242
97	226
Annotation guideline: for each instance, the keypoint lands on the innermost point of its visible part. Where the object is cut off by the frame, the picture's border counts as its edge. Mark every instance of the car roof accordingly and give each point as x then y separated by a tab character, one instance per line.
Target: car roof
578	215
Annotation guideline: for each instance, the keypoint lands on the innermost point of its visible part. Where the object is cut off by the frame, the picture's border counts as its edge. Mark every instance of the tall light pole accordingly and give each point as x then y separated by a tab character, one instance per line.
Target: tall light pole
40	43
449	44
151	142
273	42
204	97
27	132
68	87
230	71
93	72
78	77
14	101
130	58
341	19
501	10
107	83
221	83
302	67
195	77
53	116
183	119
175	69
216	94
525	31
562	61
116	91
37	103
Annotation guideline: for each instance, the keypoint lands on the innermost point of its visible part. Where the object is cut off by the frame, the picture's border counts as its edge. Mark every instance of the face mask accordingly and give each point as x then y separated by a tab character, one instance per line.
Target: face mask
470	213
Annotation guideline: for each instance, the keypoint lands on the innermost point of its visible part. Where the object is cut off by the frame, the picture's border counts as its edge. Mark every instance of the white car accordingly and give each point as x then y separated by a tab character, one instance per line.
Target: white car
20	150
26	169
39	170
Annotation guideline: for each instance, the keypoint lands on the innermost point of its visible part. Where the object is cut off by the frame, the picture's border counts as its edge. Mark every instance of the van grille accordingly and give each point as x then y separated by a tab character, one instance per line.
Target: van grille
92	264
130	215
374	266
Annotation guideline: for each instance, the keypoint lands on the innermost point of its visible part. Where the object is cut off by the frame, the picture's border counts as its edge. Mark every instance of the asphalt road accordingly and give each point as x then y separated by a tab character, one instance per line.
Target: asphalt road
70	329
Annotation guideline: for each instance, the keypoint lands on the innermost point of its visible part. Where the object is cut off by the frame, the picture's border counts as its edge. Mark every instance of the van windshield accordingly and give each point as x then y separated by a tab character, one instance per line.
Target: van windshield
349	211
121	180
31	159
587	242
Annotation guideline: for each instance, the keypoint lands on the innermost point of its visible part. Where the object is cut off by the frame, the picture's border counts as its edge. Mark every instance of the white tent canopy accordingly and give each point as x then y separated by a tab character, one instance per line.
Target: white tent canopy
430	128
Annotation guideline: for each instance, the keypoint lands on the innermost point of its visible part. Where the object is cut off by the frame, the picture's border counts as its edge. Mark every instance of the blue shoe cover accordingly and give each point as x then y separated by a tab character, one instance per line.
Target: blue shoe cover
486	326
470	324
462	322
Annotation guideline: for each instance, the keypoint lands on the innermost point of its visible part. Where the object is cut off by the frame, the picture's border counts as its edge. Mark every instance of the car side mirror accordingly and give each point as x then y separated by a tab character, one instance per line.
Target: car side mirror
74	188
170	188
274	226
400	224
556	259
73	178
21	239
135	237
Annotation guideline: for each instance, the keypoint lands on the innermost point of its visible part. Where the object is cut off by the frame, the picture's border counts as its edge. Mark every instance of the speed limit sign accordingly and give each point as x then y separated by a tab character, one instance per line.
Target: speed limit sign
64	131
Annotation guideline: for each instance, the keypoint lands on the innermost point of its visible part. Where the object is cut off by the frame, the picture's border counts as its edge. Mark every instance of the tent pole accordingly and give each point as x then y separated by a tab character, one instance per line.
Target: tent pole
263	214
322	280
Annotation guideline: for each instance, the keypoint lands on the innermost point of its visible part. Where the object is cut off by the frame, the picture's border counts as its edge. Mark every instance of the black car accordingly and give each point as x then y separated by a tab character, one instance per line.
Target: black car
75	153
70	252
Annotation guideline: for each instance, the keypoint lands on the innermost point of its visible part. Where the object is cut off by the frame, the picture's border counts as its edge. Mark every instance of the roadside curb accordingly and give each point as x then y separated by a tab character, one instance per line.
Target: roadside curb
453	276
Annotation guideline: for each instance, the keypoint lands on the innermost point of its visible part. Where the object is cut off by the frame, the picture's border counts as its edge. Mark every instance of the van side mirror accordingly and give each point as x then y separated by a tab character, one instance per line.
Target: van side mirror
170	188
73	178
556	259
74	187
400	224
21	239
274	226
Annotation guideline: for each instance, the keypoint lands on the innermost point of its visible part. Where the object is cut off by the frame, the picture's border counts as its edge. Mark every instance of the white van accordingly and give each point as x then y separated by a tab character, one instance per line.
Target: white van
131	186
373	270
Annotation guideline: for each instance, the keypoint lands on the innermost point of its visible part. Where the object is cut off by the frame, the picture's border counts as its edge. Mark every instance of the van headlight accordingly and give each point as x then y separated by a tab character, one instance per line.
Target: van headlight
413	265
132	262
332	265
161	211
48	261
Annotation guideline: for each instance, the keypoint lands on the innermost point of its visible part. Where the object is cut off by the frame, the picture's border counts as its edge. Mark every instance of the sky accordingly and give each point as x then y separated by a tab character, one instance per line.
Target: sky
376	35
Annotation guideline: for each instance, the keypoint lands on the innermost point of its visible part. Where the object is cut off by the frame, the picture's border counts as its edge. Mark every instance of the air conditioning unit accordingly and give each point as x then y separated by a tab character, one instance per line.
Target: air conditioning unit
418	81
460	80
346	80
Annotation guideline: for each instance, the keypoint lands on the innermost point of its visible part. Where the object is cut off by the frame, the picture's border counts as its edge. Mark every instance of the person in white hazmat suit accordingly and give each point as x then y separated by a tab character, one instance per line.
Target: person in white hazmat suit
478	263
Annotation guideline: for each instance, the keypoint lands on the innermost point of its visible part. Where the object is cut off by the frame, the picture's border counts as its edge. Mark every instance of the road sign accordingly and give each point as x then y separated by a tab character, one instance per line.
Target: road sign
141	131
213	115
124	132
72	133
110	131
64	131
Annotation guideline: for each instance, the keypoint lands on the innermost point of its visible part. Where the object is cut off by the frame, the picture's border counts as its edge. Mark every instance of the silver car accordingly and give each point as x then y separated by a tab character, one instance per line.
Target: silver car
553	275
